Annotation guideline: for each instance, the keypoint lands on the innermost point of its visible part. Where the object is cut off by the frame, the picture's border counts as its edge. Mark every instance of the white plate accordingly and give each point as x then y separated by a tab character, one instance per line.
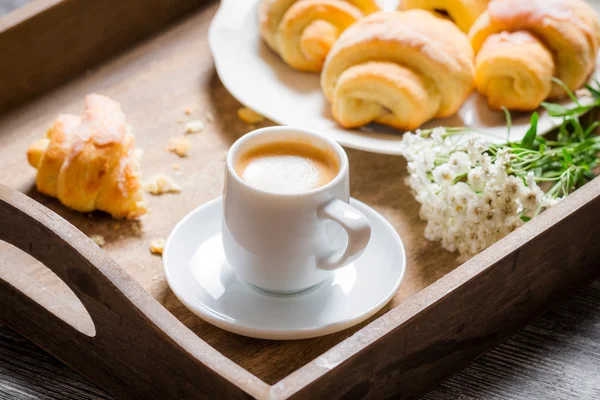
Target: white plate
198	273
258	78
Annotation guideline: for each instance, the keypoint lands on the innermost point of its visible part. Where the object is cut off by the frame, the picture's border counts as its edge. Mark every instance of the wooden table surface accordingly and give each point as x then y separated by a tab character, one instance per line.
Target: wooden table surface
556	357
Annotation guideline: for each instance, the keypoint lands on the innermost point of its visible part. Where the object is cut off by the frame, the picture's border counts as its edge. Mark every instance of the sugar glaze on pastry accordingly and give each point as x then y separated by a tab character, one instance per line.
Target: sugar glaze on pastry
521	45
90	162
398	68
303	31
462	12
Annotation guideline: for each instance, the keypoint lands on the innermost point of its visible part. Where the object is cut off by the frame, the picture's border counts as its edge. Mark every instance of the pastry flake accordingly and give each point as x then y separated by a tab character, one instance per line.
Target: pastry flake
462	12
398	68
521	45
249	116
179	145
160	184
157	246
302	32
194	126
98	239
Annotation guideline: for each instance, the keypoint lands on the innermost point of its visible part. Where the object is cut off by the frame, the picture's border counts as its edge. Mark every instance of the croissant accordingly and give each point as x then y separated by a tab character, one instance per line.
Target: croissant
303	31
398	68
462	12
89	162
521	45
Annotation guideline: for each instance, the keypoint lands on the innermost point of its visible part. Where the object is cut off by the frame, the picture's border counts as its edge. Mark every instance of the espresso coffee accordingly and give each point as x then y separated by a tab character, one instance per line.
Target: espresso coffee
287	167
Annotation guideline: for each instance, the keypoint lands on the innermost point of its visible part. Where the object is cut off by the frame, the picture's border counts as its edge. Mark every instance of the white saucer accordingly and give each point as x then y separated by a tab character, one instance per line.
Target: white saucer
199	275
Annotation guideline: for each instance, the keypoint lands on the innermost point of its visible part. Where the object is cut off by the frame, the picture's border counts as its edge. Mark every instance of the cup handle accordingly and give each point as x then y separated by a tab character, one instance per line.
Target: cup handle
356	226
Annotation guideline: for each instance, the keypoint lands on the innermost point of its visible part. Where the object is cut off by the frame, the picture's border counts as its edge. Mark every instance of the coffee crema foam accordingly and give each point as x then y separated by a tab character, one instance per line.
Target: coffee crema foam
287	167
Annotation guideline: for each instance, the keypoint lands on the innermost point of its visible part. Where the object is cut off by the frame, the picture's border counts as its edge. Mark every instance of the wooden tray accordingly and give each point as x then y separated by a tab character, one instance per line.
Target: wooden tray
110	314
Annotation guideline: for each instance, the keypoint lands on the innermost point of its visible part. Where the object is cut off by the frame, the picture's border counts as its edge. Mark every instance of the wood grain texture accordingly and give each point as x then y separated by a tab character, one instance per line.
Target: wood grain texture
135	339
451	322
555	358
48	41
27	373
155	82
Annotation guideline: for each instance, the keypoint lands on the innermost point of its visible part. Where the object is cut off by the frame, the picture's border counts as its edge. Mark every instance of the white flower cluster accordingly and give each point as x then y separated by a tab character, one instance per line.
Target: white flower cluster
467	197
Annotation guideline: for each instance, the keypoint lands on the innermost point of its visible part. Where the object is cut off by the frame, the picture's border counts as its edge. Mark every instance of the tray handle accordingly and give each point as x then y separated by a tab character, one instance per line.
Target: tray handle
140	350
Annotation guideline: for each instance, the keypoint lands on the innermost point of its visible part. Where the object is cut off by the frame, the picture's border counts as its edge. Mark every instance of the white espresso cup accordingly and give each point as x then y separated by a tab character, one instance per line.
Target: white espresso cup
283	242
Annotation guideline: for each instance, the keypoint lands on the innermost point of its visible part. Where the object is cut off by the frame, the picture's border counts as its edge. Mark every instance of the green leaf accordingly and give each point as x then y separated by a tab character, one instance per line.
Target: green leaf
525	218
555	110
593	91
460	178
567	90
567	156
577	128
527	141
589	175
563	134
508	123
542	148
591	128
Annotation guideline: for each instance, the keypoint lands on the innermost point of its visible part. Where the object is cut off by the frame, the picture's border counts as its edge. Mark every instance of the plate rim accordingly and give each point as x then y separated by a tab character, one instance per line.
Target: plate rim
215	24
376	142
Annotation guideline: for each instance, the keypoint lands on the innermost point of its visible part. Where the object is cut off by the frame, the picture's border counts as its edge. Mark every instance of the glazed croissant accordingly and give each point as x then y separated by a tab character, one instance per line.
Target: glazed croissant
521	45
462	12
398	68
303	31
89	162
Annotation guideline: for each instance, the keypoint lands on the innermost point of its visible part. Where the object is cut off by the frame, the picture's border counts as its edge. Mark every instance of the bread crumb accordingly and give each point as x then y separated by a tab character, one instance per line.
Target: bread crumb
188	111
249	116
157	246
210	118
160	184
116	226
176	167
194	126
98	239
179	145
